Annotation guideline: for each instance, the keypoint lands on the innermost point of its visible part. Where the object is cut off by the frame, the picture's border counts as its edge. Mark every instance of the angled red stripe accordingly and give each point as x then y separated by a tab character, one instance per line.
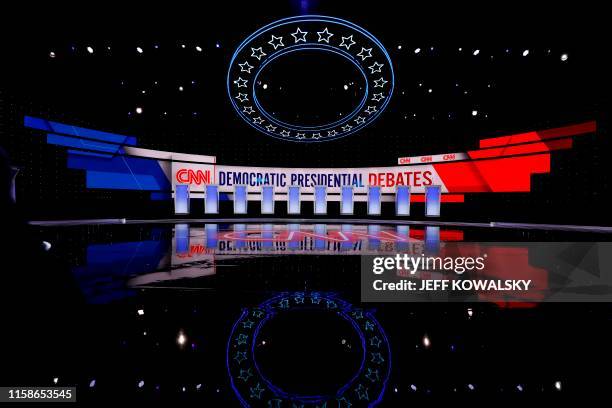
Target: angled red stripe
538	147
536	136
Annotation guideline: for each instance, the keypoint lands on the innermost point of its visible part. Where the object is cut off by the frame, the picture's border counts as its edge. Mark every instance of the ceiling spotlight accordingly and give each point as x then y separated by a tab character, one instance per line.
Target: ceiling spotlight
198	48
460	49
470	312
426	341
52	54
139	49
476	52
265	86
525	53
346	87
139	110
46	245
474	112
558	385
181	339
90	50
564	57
141	384
430	90
399	47
182	45
417	50
180	88
140	312
217	45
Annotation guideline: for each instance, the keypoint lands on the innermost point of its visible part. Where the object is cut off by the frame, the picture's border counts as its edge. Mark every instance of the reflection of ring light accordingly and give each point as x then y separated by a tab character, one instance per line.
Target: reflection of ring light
364	389
318	33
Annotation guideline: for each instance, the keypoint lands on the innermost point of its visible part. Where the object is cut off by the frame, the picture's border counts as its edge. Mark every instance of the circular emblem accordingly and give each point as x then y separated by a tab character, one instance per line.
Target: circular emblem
311	34
364	389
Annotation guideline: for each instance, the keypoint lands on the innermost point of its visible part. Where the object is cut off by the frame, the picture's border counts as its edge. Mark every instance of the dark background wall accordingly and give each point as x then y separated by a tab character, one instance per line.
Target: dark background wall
512	93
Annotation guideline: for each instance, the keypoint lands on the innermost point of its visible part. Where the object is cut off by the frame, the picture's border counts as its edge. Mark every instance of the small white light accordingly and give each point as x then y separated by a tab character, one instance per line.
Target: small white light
182	45
265	86
564	57
460	49
141	384
476	52
181	339
395	389
417	50
139	110
426	341
525	53
430	90
92	383
218	45
144	91
55	380
470	312
471	387
90	50
263	342
198	386
52	54
558	385
46	245
181	88
474	112
413	387
198	48
184	389
346	87
140	312
399	47
139	50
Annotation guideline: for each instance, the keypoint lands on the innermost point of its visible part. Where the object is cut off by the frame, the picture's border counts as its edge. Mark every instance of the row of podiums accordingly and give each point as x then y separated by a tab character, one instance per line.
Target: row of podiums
319	197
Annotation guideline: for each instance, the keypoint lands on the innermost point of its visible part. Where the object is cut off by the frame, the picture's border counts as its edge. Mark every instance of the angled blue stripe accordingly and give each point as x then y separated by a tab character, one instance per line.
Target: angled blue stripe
91	154
55	127
81	143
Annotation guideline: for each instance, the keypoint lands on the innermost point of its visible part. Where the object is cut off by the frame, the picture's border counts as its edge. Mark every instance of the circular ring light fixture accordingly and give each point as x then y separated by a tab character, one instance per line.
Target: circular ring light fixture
312	34
364	389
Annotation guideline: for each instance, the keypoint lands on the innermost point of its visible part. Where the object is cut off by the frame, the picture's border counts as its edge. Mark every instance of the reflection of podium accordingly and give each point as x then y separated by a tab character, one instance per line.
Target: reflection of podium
14	171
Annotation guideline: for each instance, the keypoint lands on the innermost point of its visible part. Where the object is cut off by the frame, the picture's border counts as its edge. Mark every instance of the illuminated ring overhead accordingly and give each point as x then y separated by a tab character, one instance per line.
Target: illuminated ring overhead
319	34
253	389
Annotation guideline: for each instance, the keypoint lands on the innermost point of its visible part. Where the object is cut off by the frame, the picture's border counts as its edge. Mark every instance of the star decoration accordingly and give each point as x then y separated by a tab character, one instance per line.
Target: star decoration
370	110
259	54
299	300
285	132
242	97
365	53
256	391
331	304
378	97
343	402
362	392
240	356
271	128
332	132
346	128
275	403
258	120
375	67
301	135
241	82
276	42
379	83
301	34
241	339
284	304
324	35
246	67
247	324
369	326
316	135
257	314
348	44
375	341
372	375
315	300
377	358
357	314
248	110
245	374
360	120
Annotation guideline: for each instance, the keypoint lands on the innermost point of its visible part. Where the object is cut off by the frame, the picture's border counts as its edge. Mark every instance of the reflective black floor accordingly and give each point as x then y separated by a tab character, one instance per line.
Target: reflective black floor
270	315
